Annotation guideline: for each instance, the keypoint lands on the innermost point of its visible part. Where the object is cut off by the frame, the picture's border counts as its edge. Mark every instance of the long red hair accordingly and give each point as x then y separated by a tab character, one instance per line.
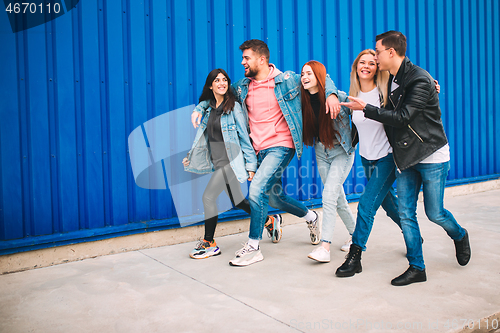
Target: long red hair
326	131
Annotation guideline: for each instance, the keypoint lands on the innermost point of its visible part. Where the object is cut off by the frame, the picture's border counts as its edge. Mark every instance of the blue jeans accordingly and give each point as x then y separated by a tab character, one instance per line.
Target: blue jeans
378	191
432	177
334	165
266	188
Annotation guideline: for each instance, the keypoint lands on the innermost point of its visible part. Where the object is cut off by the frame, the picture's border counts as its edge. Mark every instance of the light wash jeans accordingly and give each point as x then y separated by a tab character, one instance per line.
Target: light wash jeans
334	165
266	188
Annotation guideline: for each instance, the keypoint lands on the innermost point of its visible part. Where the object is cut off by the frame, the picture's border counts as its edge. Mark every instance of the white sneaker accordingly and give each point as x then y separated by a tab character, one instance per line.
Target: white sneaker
315	228
347	245
246	256
320	254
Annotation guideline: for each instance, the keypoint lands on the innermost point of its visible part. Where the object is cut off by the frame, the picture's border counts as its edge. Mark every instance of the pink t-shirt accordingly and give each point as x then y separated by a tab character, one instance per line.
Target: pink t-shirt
268	127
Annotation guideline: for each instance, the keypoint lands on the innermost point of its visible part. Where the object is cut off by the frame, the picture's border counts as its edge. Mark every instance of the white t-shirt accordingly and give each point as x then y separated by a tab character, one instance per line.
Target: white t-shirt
373	142
439	156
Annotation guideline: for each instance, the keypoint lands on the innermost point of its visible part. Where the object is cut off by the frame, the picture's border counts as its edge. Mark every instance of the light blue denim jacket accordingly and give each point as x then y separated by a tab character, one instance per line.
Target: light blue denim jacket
343	125
236	140
287	91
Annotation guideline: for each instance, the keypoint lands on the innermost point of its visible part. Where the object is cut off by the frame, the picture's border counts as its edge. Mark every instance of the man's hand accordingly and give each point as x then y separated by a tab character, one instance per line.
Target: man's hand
195	119
251	174
355	104
333	106
438	87
185	161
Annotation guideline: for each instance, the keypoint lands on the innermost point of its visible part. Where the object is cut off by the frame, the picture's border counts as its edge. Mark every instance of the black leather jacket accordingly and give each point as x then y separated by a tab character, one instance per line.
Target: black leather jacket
412	117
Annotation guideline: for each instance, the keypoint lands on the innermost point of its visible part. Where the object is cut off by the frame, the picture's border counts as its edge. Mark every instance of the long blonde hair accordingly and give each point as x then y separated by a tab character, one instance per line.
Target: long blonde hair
381	78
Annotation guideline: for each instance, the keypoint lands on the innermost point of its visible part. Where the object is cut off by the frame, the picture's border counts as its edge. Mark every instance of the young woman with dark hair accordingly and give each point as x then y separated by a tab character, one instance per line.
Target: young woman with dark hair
221	146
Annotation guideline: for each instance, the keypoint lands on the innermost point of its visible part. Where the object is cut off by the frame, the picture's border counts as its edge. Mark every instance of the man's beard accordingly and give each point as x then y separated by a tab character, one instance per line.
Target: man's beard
251	72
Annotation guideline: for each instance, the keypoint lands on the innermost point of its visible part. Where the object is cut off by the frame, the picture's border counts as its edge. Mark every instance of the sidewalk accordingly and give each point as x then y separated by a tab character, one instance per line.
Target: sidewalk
163	290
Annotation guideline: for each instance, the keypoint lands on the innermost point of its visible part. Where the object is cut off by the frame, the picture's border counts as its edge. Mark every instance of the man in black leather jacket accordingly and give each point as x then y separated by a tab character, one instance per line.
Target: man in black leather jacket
412	120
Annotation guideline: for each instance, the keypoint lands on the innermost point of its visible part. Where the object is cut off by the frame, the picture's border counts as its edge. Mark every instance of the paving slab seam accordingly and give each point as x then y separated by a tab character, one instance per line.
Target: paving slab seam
223	293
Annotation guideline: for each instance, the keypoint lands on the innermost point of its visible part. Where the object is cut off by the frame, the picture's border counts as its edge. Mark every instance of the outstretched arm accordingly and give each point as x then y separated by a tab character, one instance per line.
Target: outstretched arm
413	104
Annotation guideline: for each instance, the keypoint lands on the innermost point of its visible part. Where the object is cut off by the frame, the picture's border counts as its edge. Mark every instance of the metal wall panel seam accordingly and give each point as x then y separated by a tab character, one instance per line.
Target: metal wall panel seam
116	104
490	87
38	127
52	115
482	128
104	112
468	87
496	51
24	134
128	112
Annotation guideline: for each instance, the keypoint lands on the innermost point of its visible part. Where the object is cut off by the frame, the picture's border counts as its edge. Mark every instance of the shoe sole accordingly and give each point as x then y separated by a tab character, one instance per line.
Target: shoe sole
349	274
407	284
311	257
206	256
247	263
277	233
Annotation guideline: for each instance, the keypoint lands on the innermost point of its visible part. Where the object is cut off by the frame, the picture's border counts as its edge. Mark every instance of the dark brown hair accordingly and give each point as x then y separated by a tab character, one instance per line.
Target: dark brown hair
208	94
326	131
257	46
393	39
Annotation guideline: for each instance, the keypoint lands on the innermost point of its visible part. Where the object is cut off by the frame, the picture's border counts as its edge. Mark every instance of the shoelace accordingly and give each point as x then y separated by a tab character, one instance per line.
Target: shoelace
202	245
246	248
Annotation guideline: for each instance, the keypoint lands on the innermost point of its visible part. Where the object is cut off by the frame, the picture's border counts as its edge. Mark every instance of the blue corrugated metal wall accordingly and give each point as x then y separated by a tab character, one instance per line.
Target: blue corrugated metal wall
74	88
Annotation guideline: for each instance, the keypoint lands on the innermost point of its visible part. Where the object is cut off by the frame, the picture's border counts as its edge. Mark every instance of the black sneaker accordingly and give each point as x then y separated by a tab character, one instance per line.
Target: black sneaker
411	275
462	248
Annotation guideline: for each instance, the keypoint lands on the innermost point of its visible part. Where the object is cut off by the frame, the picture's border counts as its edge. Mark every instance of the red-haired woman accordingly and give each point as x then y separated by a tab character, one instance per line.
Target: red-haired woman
331	139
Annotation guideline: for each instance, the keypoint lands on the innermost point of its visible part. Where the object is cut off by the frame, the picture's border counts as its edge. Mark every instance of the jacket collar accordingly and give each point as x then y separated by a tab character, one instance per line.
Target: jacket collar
403	69
277	79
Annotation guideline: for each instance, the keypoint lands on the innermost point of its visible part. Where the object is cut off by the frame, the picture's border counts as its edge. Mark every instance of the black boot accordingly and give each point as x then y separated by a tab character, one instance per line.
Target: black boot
411	275
462	248
352	263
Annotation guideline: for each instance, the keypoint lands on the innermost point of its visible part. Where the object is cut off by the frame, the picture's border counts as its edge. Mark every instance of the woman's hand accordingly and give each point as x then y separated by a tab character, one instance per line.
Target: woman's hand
251	174
438	87
185	161
195	119
355	104
333	106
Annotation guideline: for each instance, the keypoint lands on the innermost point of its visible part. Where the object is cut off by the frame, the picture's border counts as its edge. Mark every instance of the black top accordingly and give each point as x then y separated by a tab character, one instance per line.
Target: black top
215	139
315	104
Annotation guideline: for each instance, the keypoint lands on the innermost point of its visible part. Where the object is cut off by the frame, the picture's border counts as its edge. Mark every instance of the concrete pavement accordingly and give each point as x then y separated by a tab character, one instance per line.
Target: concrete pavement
163	290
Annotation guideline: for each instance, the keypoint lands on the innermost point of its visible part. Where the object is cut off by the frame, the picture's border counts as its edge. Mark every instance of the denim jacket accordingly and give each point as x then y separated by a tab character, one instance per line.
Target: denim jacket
343	126
236	140
287	91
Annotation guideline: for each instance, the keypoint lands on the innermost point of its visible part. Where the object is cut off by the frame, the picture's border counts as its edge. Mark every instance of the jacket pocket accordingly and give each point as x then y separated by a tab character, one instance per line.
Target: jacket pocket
406	141
291	94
